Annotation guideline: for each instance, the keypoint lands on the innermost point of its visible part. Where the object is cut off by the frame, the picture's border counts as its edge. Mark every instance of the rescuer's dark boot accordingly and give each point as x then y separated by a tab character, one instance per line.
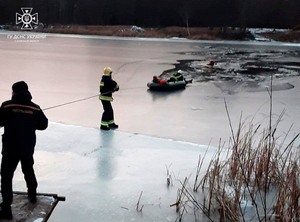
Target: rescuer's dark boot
113	126
32	195
5	212
104	127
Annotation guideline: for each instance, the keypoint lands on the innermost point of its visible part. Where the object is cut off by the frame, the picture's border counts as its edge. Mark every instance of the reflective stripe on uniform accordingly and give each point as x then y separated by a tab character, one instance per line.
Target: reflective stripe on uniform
101	84
106	98
21	106
107	123
176	77
103	123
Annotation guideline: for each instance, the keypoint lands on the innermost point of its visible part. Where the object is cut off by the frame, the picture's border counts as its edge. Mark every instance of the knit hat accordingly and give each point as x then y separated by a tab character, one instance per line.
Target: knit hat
19	87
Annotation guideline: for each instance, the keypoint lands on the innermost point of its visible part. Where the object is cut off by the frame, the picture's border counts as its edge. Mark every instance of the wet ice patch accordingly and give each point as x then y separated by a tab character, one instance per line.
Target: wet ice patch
247	70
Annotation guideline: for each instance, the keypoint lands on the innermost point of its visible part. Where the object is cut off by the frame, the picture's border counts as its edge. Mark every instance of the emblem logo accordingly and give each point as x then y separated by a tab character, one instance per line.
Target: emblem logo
27	19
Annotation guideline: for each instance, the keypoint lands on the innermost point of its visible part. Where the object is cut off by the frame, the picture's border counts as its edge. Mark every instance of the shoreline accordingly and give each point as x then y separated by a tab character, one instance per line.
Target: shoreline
192	33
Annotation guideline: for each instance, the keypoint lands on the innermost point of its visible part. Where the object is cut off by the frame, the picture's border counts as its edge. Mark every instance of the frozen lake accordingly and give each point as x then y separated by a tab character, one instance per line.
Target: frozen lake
103	173
63	69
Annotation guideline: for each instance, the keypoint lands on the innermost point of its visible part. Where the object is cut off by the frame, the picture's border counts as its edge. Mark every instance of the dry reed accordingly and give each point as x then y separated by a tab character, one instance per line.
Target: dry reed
259	180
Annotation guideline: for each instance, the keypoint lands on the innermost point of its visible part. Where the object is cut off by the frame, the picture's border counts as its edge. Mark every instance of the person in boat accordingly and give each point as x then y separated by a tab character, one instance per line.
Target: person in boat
159	80
178	76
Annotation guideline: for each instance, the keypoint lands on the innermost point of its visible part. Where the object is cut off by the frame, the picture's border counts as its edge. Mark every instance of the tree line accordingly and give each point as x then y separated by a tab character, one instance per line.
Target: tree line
156	13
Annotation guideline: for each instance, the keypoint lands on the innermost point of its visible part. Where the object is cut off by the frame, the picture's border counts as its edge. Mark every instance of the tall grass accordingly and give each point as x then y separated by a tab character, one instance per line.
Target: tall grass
258	180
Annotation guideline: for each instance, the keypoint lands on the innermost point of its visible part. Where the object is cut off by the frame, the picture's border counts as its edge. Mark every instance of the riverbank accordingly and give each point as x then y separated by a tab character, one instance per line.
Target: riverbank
195	33
163	32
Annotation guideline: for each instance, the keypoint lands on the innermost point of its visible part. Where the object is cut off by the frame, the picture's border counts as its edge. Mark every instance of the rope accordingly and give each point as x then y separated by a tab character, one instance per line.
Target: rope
90	97
67	103
79	100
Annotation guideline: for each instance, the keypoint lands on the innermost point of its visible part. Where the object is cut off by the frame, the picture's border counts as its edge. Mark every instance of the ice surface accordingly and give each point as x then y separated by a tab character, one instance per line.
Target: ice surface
102	174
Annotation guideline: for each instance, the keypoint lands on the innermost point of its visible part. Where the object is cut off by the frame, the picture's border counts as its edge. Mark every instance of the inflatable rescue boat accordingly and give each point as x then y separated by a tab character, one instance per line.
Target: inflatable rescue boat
169	86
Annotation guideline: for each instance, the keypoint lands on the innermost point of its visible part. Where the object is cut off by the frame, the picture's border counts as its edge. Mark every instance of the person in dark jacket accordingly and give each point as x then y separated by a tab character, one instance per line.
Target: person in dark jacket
107	87
20	118
176	77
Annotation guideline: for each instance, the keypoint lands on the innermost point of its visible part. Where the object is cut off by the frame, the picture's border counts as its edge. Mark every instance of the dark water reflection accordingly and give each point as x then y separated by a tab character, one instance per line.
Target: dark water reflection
248	67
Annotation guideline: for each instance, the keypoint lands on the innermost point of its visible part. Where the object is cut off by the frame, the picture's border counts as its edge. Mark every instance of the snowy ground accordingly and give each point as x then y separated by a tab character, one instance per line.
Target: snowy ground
102	174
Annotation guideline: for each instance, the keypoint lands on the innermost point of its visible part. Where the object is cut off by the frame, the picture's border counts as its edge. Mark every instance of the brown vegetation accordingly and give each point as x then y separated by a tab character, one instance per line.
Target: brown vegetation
289	36
127	31
256	180
195	33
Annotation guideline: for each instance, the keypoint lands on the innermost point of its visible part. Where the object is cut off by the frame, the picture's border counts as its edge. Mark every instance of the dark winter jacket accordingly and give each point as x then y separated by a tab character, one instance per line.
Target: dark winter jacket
107	87
176	77
21	118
